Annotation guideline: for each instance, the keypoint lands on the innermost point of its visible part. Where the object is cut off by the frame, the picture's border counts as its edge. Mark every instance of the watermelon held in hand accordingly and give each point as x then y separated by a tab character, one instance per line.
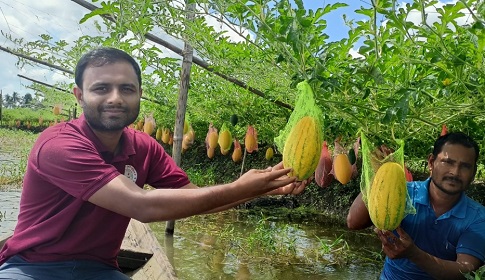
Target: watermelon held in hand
387	196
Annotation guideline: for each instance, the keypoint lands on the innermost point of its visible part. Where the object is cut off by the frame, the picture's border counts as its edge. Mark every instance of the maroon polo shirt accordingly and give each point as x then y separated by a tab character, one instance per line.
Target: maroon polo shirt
66	166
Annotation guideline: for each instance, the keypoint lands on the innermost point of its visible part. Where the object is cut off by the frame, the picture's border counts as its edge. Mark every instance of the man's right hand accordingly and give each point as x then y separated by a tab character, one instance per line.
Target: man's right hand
267	180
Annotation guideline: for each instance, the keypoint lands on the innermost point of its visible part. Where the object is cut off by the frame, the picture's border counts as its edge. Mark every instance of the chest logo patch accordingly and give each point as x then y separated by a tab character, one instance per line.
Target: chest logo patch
130	172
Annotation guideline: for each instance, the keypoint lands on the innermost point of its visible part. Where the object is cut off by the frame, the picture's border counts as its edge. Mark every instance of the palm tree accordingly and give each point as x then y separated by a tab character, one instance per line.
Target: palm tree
27	100
9	101
16	99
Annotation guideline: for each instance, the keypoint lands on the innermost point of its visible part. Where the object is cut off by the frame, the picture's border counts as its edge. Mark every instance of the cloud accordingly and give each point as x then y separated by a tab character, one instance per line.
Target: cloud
229	31
27	20
433	16
355	54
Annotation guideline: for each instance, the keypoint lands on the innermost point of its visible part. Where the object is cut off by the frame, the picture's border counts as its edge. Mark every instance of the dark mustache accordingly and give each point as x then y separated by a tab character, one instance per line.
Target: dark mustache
452	179
122	108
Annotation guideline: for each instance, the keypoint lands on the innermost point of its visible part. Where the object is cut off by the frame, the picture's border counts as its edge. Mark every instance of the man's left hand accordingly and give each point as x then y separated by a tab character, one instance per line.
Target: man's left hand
396	247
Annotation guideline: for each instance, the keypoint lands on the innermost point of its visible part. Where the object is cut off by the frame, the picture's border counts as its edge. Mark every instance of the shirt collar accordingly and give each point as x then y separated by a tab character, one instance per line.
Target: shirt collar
422	197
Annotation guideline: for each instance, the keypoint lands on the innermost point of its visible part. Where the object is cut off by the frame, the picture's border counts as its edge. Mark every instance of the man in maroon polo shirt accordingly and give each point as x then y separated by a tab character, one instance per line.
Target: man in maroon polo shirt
85	178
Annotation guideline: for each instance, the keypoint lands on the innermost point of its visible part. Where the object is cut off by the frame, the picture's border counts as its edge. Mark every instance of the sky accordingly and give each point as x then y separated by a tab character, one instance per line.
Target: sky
28	19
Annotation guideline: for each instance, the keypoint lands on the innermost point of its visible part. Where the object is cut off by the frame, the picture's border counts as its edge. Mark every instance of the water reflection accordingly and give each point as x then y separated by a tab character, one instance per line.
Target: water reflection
218	246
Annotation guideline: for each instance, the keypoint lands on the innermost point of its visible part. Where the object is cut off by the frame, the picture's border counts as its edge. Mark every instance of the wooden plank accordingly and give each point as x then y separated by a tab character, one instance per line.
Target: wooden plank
158	267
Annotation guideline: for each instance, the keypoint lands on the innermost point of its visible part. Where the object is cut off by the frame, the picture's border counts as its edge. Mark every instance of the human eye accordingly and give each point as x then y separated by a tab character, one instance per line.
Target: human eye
99	88
128	89
467	166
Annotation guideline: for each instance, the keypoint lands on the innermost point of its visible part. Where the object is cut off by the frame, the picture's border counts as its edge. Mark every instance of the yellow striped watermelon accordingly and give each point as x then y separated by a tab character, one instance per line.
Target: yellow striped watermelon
387	196
302	148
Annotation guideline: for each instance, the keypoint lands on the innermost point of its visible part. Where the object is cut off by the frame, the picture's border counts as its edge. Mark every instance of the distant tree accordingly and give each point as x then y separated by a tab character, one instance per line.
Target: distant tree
8	101
27	100
16	99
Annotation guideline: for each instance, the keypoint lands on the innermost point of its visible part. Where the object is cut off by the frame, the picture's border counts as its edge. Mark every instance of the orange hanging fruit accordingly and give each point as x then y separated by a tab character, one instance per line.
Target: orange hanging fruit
56	110
188	139
342	169
165	135
158	134
212	137
210	152
251	139
170	138
237	153
149	125
139	125
185	143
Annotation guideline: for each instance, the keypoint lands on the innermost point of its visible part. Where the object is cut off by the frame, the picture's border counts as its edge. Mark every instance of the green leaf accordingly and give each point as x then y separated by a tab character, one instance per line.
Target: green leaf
97	12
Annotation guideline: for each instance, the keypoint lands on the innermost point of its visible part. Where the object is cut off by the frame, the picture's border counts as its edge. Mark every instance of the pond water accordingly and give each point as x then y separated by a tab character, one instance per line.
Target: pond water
241	245
9	209
238	244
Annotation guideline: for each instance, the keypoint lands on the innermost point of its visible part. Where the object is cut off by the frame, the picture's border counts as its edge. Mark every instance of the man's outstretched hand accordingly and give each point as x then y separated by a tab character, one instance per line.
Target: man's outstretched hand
294	188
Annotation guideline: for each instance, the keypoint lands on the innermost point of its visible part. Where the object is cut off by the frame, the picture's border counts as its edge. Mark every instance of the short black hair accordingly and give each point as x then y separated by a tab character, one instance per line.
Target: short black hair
102	56
455	138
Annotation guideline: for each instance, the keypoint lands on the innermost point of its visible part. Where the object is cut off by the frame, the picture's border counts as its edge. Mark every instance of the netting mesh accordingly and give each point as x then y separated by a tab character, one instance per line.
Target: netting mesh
372	159
304	106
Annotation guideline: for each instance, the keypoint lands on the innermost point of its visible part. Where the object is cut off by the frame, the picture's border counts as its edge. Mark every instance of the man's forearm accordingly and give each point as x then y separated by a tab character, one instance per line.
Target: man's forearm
228	206
439	268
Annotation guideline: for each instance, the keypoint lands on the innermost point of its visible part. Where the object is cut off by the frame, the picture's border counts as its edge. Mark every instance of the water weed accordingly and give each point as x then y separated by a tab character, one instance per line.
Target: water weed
15	147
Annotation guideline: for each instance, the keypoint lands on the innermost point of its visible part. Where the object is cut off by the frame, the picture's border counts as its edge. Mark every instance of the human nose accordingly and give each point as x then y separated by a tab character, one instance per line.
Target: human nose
454	170
114	96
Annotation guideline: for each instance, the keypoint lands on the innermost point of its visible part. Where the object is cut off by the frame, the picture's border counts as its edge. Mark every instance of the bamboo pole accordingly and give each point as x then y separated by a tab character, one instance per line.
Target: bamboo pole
1	105
69	116
37	60
44	84
187	59
195	60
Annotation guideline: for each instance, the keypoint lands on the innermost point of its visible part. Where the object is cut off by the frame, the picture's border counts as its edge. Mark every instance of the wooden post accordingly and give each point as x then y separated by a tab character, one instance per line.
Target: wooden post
182	105
1	105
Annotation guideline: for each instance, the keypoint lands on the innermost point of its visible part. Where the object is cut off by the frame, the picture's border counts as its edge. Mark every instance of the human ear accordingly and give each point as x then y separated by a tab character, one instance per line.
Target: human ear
430	162
78	93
